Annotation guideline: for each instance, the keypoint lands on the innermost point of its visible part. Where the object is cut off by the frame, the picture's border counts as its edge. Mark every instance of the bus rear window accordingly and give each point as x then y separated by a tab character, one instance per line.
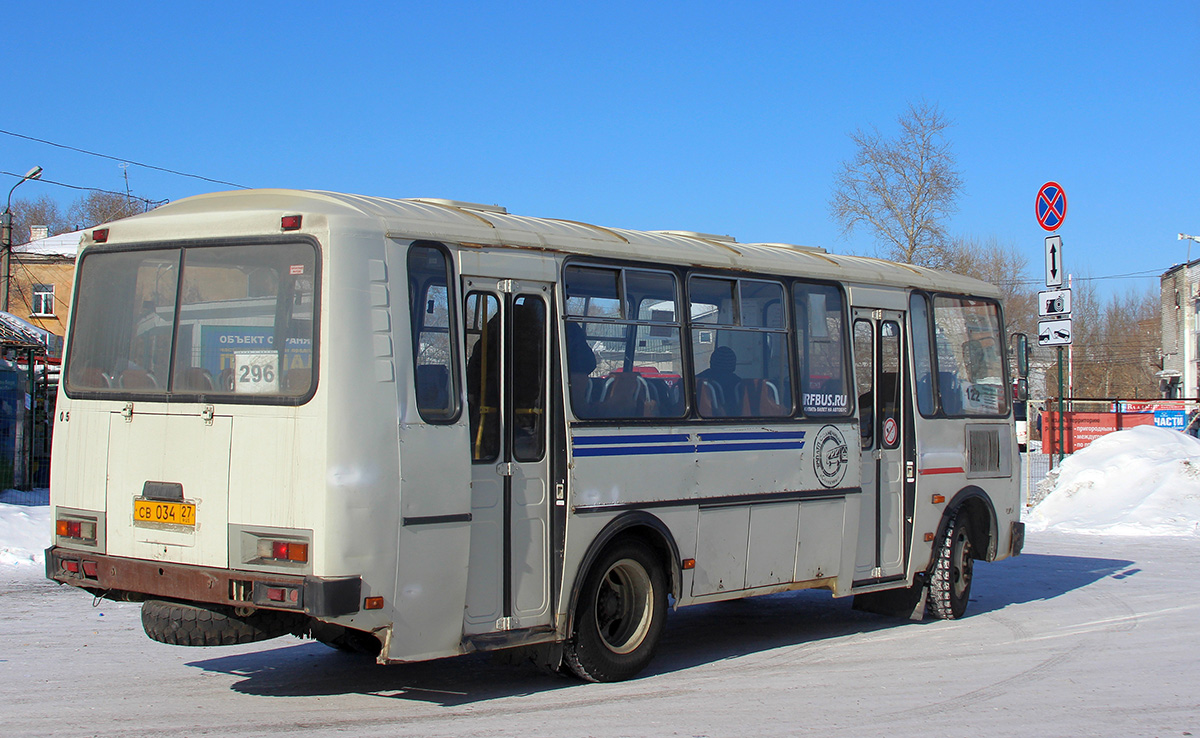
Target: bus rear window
232	321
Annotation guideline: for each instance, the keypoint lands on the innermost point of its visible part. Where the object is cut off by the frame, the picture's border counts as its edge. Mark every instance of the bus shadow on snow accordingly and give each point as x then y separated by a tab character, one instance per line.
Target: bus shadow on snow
694	636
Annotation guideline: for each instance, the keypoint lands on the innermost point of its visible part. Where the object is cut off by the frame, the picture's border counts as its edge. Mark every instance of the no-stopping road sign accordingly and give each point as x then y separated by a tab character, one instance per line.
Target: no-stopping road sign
1051	206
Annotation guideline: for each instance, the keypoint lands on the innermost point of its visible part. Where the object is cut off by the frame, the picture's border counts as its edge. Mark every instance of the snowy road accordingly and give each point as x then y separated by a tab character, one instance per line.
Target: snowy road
1082	635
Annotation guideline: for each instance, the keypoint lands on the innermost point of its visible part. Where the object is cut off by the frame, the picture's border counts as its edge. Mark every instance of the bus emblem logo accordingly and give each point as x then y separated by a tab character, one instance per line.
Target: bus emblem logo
831	455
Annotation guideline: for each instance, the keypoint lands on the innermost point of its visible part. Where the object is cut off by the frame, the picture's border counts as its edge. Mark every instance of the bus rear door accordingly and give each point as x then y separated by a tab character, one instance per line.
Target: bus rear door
507	339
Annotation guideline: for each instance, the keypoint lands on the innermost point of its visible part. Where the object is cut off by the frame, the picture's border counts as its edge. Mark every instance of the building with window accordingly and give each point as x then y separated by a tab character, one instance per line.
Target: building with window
1180	375
42	273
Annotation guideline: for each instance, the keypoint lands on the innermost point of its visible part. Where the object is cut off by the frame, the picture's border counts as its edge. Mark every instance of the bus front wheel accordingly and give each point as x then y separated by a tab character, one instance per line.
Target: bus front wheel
950	581
621	613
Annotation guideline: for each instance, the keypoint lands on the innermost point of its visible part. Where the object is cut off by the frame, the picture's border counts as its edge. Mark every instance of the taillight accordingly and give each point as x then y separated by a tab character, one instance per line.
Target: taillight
80	530
293	551
290	222
100	235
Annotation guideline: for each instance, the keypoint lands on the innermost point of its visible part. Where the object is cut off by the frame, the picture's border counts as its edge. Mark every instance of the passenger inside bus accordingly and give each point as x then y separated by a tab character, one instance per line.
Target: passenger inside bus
717	385
581	362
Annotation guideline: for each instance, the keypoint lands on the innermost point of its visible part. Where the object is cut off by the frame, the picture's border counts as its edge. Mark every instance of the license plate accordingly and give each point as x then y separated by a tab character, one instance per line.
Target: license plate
157	512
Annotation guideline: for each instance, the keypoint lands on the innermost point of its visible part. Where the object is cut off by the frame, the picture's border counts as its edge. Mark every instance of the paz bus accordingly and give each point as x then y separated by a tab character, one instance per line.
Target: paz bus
421	428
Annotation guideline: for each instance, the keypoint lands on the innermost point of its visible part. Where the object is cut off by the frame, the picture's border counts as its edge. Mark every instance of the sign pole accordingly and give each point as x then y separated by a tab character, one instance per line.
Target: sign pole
1061	408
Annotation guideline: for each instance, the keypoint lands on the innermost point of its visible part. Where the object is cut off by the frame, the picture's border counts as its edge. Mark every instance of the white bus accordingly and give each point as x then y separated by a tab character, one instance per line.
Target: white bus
422	428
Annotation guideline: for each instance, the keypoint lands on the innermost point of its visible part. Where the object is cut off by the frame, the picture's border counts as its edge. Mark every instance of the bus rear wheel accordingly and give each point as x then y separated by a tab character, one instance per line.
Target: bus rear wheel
953	568
621	613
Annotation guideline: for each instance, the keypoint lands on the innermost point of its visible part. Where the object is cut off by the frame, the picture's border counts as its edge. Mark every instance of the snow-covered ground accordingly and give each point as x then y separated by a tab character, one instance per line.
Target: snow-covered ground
1093	631
1141	481
24	532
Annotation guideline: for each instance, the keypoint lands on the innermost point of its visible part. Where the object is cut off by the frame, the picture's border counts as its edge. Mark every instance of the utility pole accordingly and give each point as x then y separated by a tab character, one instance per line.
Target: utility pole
6	236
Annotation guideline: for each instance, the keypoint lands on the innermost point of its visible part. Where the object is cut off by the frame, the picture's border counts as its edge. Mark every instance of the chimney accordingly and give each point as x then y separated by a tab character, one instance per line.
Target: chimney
39	232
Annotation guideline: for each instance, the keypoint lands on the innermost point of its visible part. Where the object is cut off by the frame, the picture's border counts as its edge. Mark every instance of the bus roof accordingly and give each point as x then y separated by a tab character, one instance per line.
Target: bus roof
493	226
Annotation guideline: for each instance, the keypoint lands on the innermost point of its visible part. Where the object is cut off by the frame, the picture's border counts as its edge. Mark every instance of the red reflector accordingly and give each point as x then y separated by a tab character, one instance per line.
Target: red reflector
279	550
100	235
275	594
89	568
373	603
290	222
71	565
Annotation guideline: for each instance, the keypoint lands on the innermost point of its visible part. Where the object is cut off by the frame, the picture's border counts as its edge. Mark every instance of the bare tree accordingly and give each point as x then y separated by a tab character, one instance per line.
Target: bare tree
1004	266
40	211
1115	343
101	207
902	188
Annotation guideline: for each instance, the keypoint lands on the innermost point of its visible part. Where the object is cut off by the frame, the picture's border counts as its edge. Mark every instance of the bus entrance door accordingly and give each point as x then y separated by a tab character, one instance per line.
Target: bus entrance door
507	335
879	360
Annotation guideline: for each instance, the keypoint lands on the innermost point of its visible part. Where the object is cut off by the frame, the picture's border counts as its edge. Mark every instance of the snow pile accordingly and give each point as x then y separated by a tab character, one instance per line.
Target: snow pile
1141	481
24	535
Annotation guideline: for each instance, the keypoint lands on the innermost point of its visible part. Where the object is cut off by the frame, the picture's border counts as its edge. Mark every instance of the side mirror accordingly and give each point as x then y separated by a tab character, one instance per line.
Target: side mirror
1021	390
1021	344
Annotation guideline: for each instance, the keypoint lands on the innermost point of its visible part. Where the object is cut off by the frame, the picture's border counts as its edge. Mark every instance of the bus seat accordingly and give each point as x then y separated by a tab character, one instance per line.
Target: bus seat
710	399
759	398
667	400
90	376
138	379
298	380
194	378
625	396
951	393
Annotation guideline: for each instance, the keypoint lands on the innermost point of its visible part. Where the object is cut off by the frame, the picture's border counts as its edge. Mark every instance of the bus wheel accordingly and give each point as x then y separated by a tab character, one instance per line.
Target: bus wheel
182	624
950	583
622	610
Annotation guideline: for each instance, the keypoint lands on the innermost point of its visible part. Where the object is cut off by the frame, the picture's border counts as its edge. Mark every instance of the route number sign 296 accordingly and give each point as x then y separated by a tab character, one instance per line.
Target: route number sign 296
255	372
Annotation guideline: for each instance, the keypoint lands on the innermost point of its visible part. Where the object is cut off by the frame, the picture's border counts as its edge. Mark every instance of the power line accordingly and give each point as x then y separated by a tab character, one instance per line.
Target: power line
91	189
119	159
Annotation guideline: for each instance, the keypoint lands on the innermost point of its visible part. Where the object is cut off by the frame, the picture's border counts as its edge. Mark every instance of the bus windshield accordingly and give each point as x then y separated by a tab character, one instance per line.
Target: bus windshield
198	320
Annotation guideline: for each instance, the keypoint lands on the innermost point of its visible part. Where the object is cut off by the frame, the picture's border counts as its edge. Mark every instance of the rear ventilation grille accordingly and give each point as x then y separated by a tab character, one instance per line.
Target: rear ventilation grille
983	453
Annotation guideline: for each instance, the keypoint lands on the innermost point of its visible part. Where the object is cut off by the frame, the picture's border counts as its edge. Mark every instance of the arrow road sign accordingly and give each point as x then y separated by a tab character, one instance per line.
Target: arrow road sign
1054	332
1054	303
1054	269
1051	206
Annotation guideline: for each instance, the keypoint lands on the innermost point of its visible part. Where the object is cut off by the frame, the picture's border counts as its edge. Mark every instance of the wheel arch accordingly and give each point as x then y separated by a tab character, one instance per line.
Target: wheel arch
981	520
638	525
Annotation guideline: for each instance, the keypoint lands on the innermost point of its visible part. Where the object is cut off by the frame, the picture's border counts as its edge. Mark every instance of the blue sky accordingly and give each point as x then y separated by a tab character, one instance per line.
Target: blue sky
718	117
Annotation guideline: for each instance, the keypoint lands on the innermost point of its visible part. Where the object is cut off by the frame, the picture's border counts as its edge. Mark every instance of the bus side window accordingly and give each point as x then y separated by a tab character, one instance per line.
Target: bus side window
435	356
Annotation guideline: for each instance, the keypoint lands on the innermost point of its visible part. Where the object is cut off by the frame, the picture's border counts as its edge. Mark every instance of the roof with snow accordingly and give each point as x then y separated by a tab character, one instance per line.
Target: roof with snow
64	244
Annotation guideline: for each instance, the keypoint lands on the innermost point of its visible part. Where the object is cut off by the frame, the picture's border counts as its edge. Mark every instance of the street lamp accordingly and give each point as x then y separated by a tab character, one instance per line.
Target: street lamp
34	173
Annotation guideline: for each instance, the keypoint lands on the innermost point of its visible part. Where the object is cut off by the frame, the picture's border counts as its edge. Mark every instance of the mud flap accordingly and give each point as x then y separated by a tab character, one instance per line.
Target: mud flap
907	602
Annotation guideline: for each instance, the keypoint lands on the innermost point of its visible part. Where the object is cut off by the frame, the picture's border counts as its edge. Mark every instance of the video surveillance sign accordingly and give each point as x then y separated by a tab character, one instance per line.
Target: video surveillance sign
1054	303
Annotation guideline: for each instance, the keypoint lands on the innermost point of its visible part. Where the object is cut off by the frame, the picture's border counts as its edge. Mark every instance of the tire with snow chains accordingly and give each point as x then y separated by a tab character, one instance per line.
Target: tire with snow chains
621	613
183	624
954	562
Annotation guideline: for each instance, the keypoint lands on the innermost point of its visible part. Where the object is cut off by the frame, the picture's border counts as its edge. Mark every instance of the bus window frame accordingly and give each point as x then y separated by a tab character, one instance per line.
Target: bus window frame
930	299
739	325
847	340
165	396
454	338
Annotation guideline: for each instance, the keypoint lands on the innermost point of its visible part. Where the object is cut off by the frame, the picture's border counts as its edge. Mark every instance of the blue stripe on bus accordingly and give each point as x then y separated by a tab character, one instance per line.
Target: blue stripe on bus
607	440
678	443
635	450
714	447
753	435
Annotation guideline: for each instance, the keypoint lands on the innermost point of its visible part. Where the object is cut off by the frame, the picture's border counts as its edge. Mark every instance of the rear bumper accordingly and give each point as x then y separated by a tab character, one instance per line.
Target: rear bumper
115	577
